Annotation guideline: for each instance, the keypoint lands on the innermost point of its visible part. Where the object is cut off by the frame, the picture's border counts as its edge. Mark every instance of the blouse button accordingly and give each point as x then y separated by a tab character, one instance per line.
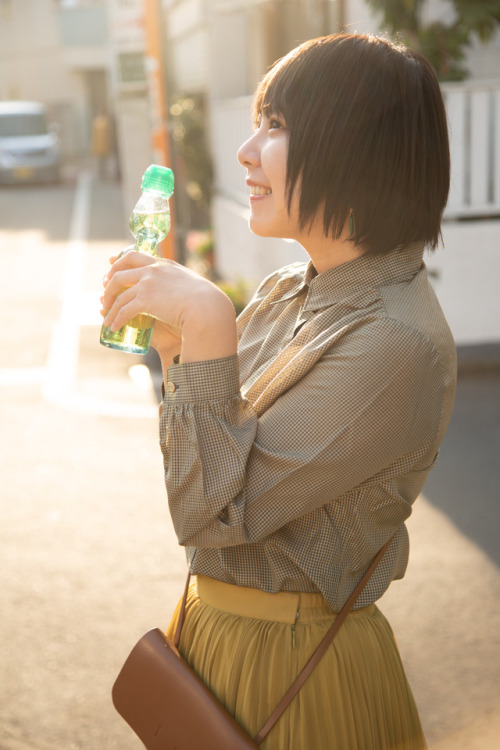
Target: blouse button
171	387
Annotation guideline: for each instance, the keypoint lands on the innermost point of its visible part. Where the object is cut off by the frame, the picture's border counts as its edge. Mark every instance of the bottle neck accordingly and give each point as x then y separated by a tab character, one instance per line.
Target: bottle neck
155	193
147	243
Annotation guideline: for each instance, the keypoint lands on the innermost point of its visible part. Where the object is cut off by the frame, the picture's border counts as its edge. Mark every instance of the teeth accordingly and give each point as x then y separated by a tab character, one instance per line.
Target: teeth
258	190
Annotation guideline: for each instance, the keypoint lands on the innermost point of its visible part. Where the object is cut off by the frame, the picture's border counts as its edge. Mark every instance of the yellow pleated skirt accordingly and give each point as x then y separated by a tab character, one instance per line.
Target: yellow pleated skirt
248	647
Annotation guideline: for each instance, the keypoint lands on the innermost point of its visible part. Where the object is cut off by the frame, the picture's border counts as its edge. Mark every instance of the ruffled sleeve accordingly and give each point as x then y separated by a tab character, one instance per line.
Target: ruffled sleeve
207	430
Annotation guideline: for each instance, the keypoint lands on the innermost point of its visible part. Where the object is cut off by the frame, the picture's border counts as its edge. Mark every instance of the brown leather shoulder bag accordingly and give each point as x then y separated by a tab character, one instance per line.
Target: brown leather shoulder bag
167	705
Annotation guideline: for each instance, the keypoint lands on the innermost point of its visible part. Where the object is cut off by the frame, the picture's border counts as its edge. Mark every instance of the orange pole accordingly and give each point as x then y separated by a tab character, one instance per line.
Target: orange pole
157	92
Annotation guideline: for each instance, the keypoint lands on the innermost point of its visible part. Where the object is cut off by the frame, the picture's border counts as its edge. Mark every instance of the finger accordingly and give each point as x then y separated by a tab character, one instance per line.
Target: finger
127	259
128	249
118	282
114	258
133	259
125	307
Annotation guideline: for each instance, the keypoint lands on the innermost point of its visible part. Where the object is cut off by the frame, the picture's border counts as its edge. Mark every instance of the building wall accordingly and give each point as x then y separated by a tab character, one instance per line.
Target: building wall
188	35
29	52
465	274
243	255
37	64
129	95
30	55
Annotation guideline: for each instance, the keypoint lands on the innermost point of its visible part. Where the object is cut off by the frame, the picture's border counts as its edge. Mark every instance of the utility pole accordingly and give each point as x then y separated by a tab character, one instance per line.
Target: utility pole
157	92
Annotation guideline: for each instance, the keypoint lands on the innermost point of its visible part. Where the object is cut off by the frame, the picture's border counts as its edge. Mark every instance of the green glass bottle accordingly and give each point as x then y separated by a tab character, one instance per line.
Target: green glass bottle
150	224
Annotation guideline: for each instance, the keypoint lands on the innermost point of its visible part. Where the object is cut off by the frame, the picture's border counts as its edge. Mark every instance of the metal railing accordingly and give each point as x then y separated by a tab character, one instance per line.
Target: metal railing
473	110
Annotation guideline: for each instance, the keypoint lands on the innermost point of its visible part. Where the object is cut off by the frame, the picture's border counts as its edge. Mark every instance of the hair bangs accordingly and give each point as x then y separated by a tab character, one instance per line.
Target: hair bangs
275	90
367	138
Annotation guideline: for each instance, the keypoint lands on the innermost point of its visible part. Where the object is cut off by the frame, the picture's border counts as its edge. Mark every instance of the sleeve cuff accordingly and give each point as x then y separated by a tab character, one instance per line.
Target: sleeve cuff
210	380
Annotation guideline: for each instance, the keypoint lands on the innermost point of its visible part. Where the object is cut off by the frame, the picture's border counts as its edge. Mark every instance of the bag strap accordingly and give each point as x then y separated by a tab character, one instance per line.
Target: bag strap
323	646
317	655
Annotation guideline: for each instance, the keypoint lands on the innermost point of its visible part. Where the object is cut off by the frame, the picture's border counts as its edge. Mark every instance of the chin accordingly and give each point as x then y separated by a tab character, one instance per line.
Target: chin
257	230
264	230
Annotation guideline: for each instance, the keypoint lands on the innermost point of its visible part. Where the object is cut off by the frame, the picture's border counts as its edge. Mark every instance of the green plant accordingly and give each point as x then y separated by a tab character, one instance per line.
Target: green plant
200	242
200	257
238	292
206	247
188	121
444	44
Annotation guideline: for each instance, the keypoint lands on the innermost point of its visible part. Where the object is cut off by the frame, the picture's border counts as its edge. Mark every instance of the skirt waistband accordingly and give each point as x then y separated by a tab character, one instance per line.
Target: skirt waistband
285	606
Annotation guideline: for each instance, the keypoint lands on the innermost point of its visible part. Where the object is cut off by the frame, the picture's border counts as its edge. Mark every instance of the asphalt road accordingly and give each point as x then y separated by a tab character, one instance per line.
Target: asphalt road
89	560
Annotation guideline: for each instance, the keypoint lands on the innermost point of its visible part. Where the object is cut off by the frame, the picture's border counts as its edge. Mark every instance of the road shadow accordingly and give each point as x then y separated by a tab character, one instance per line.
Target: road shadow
465	484
44	207
108	220
49	207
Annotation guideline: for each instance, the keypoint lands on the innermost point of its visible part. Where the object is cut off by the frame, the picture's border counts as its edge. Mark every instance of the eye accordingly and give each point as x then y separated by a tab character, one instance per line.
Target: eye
276	123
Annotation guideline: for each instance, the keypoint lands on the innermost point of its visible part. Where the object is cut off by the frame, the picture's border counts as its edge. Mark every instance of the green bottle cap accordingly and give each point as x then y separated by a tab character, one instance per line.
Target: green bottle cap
160	179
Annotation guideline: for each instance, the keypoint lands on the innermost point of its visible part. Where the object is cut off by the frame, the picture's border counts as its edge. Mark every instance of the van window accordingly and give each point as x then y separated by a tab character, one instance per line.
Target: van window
22	124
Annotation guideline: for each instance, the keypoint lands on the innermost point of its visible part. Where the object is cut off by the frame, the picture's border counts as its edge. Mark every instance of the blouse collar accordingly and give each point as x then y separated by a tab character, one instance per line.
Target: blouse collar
364	273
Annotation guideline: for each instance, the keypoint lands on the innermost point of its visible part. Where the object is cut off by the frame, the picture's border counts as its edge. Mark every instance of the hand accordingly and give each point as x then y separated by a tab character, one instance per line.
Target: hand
193	315
165	338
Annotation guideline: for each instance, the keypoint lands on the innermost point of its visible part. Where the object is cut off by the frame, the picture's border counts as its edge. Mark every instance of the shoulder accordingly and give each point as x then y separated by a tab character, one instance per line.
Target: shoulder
412	313
397	360
380	342
289	275
278	283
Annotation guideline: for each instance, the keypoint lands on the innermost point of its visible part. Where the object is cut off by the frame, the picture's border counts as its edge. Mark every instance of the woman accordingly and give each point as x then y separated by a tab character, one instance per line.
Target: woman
296	441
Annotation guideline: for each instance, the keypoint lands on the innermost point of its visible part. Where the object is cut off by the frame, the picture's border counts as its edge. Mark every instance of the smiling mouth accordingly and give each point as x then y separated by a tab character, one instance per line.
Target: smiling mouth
258	190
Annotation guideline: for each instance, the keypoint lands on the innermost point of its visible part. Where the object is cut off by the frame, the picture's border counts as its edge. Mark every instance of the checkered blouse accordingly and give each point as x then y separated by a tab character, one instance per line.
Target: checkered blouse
288	466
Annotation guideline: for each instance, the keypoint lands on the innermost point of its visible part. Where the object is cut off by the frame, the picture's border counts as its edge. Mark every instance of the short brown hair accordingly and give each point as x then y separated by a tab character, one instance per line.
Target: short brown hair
367	132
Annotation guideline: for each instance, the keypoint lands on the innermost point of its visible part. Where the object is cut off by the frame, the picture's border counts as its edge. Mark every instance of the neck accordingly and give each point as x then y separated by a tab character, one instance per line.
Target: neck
327	253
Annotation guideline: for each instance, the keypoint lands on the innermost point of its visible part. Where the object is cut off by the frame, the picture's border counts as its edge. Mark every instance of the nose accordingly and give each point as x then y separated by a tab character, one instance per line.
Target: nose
249	152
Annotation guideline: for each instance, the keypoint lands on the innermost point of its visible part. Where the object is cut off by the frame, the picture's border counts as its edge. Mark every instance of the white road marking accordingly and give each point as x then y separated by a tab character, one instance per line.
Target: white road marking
61	367
59	376
10	376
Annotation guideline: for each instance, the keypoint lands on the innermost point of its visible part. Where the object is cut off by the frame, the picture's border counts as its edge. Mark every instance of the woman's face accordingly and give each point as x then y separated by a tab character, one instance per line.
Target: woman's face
264	155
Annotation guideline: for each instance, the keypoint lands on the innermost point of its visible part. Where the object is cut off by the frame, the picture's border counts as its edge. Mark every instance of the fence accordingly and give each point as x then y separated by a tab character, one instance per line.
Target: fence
473	110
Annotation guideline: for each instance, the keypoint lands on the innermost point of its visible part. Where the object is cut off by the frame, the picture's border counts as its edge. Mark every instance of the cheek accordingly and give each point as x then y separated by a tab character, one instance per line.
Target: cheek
273	160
